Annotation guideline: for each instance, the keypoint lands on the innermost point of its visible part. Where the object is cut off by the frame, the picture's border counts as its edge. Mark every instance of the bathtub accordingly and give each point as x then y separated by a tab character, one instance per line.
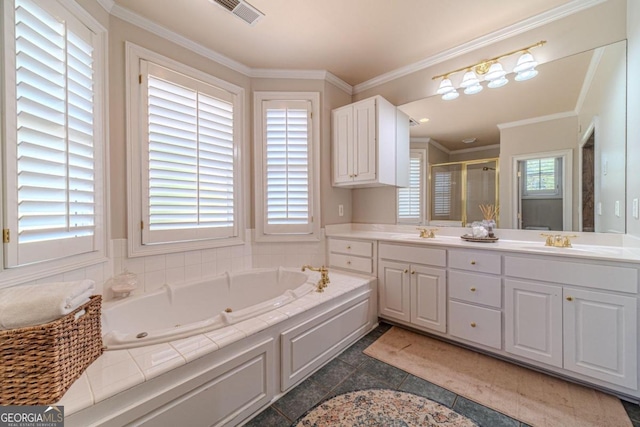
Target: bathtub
179	311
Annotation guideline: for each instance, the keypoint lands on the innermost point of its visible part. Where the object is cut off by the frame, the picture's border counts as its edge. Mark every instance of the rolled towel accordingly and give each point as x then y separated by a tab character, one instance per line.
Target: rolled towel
31	305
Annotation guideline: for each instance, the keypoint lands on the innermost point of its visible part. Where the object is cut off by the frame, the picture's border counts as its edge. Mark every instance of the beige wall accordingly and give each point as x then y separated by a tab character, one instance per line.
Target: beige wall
606	100
551	135
462	156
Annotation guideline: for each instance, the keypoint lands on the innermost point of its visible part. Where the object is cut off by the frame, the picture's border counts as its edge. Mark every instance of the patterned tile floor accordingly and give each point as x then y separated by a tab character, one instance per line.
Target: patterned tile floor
354	370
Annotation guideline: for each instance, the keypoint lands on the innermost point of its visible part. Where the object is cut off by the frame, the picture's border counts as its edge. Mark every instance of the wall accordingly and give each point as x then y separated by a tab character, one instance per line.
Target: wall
633	112
607	101
552	135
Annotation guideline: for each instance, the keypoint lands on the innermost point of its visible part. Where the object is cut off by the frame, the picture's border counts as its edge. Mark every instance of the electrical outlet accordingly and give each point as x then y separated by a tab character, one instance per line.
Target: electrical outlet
617	208
340	210
634	209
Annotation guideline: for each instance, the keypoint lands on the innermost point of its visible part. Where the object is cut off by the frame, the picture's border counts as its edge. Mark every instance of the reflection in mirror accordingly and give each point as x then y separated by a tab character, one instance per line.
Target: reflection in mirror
575	104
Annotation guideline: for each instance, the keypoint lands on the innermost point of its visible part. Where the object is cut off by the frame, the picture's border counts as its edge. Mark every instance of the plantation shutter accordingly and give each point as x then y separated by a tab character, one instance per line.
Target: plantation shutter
189	161
53	184
410	200
442	194
541	177
287	126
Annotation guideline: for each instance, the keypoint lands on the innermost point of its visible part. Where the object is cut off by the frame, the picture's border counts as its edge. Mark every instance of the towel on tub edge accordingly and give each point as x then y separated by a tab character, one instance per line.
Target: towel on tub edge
31	305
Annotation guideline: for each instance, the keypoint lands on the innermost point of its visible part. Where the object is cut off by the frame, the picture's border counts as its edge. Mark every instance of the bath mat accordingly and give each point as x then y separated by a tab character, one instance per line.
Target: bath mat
524	394
380	407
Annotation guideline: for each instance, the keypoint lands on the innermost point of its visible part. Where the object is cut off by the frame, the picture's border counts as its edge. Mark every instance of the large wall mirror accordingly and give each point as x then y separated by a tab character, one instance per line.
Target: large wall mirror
560	139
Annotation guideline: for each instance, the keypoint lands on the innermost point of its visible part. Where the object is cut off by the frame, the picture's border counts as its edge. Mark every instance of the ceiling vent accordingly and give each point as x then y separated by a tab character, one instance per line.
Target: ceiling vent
241	9
413	122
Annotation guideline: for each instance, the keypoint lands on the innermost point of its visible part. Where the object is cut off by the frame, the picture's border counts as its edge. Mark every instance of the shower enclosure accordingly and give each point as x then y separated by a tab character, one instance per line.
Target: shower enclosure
457	189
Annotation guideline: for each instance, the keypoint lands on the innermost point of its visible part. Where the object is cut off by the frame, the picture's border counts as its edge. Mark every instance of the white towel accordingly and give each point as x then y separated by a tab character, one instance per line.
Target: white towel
30	305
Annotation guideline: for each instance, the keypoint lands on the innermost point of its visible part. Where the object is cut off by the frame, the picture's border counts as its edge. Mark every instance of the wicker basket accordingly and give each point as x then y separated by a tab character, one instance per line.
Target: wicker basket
39	363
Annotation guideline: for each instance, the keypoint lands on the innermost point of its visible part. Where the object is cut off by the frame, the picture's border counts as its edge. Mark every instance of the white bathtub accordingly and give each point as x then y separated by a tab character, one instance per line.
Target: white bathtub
180	311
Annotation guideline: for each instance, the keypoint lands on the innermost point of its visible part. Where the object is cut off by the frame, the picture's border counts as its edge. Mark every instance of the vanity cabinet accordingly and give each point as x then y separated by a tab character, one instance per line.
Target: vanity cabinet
353	255
475	297
570	324
410	290
370	144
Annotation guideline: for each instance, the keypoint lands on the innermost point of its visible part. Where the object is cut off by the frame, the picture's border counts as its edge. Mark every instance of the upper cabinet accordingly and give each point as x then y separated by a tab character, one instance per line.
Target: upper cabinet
370	144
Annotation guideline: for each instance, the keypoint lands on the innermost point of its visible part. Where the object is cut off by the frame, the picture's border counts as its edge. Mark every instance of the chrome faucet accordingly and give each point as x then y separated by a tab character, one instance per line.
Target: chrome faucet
324	276
557	240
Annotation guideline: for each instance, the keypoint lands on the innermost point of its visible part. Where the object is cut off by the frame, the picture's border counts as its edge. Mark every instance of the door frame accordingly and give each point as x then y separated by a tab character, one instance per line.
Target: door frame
567	184
594	127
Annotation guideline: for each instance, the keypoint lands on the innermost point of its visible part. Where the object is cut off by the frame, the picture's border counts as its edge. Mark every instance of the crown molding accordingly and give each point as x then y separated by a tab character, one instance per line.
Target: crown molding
439	146
268	73
540	119
146	24
589	76
539	20
107	4
473	149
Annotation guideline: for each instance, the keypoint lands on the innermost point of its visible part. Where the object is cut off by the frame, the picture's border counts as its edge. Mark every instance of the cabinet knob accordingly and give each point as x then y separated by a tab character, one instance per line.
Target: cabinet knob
569	298
472	289
473	263
348	262
413	272
349	247
406	271
473	324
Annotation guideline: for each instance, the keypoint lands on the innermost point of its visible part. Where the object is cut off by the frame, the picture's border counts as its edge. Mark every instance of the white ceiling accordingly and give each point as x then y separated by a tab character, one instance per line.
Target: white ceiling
356	40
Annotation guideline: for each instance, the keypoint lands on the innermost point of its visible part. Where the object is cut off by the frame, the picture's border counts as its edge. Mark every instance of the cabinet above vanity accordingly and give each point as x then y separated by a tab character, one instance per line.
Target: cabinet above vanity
370	144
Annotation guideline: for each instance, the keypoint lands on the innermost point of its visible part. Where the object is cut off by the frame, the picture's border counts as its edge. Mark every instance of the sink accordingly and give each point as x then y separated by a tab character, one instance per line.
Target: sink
595	250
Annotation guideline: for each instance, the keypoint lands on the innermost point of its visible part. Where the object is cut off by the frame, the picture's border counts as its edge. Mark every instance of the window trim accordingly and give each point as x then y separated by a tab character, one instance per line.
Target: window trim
30	272
134	121
422	153
314	165
543	194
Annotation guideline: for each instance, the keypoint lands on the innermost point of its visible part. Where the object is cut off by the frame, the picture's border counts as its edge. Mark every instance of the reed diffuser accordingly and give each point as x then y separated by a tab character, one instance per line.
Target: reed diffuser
490	214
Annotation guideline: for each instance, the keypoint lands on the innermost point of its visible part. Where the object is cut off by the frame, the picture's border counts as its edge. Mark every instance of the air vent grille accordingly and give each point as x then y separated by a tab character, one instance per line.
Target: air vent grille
241	9
413	122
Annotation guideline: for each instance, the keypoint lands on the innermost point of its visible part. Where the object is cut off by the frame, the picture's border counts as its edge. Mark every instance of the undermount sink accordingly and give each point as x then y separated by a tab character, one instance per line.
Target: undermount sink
574	249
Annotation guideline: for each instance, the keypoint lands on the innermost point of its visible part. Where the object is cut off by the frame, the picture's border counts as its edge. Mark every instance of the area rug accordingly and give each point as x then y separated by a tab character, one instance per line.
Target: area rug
524	394
384	408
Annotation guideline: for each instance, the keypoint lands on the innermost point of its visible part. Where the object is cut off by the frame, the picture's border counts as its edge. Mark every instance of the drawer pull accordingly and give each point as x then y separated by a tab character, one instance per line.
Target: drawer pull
473	263
472	289
473	324
569	298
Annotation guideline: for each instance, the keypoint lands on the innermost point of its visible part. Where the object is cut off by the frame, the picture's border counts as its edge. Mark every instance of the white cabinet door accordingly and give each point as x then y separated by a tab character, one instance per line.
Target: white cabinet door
364	135
429	298
343	148
600	336
394	291
533	321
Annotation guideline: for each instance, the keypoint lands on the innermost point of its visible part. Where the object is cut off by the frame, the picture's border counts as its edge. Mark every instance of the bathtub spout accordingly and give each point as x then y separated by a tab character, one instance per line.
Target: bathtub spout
324	276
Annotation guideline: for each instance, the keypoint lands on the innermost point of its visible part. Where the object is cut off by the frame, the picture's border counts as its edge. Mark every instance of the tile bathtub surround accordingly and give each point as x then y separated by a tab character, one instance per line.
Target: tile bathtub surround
353	370
118	370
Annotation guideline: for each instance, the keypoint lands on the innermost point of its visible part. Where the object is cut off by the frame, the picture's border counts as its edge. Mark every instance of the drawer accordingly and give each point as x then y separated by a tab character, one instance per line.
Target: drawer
413	254
481	262
606	277
352	247
475	288
478	324
348	262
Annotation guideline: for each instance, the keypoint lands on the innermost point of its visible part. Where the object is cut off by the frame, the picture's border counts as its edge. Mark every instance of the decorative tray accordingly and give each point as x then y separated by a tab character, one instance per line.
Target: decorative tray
470	238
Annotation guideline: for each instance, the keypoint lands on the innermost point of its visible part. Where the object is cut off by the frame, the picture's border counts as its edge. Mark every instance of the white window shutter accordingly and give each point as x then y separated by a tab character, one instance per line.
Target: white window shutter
52	181
286	167
188	161
411	199
442	194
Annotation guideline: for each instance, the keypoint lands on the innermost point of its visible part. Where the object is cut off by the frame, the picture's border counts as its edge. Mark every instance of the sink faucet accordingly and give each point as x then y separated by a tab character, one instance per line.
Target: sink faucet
427	233
557	240
324	276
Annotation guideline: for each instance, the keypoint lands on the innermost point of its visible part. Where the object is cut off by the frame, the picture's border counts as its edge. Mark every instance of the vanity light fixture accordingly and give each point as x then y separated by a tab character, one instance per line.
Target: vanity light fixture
492	71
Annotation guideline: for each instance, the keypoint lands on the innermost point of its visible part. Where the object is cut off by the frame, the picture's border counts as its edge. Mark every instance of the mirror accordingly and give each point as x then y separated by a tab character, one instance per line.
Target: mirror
576	106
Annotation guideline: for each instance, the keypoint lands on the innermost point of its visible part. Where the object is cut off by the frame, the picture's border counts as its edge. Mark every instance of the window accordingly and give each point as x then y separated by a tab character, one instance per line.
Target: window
185	146
286	166
542	177
54	133
411	198
442	194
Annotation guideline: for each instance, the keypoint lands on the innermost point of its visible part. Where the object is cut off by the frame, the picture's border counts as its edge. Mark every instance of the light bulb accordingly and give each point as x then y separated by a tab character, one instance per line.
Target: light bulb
495	72
450	95
498	83
469	79
472	90
445	87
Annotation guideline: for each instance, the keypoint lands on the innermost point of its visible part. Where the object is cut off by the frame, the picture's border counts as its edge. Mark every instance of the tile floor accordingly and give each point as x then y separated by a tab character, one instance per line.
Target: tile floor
354	370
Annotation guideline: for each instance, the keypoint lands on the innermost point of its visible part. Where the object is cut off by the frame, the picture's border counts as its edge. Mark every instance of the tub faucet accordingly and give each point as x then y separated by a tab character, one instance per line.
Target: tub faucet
324	276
